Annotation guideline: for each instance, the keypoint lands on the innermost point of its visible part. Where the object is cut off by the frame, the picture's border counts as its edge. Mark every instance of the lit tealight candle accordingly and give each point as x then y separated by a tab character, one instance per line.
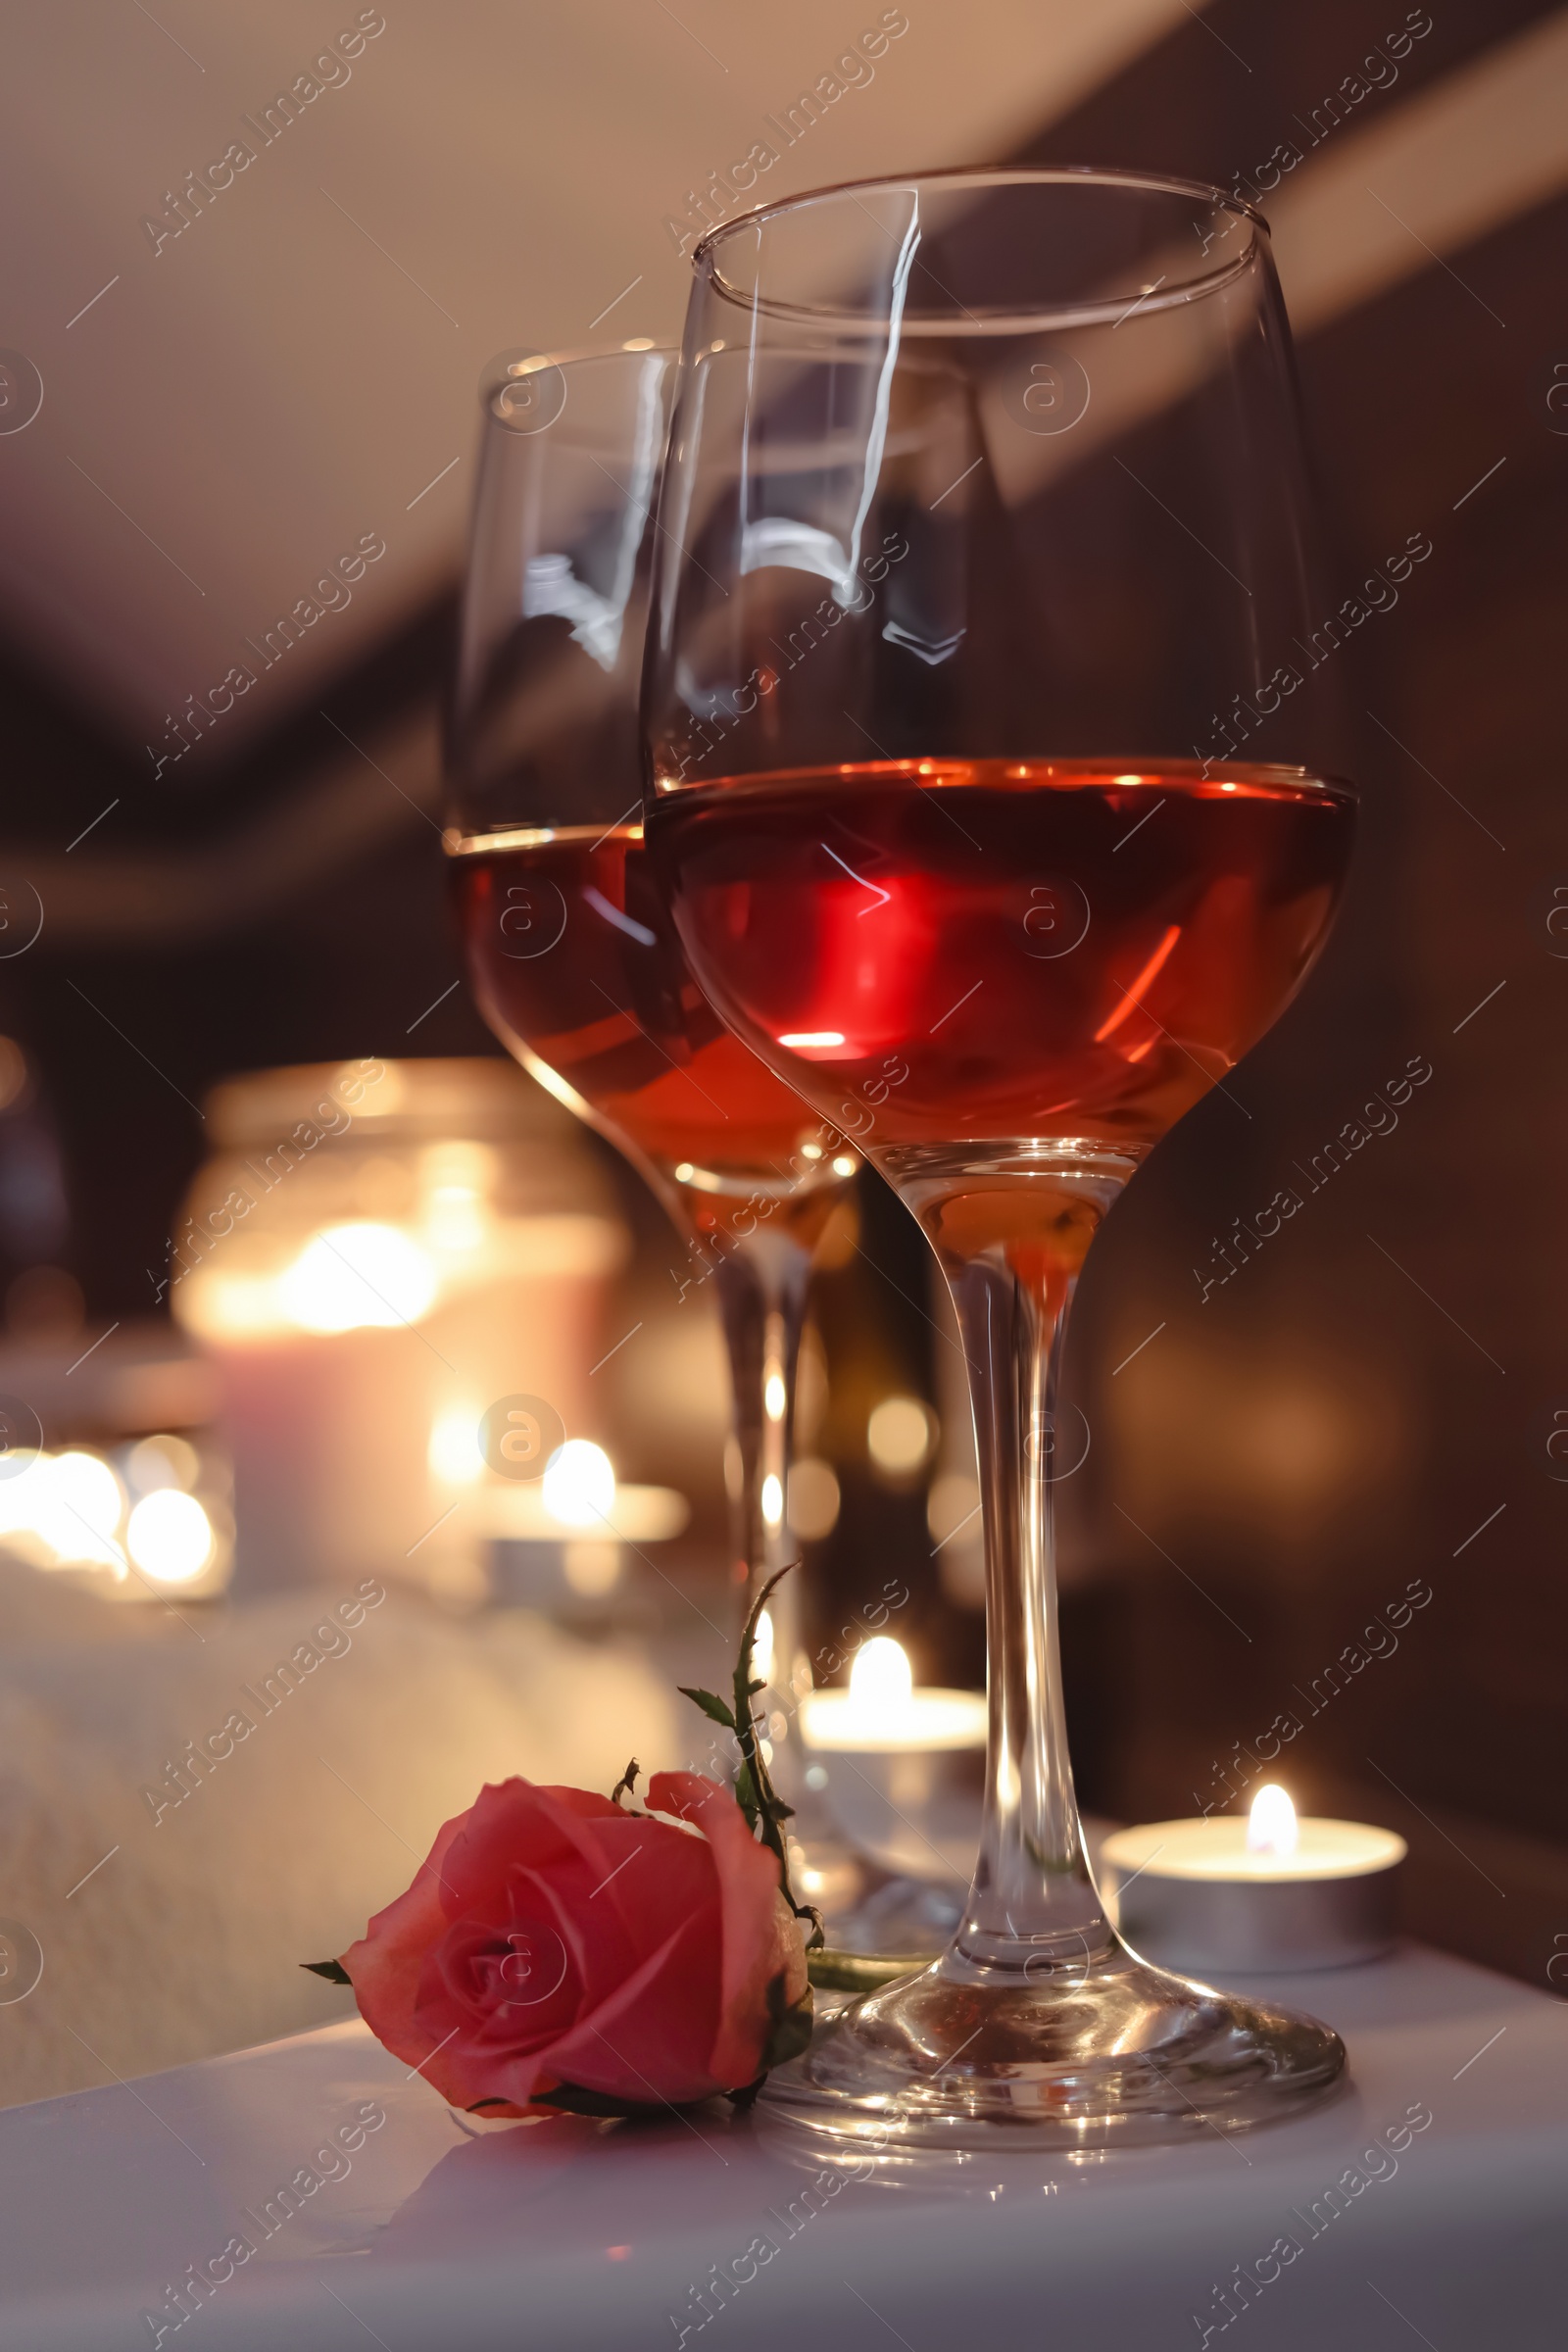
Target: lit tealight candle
1264	1893
882	1711
896	1762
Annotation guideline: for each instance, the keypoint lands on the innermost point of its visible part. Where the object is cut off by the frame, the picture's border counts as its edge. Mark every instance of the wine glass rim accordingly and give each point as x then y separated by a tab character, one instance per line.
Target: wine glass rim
981	176
640	347
1160	183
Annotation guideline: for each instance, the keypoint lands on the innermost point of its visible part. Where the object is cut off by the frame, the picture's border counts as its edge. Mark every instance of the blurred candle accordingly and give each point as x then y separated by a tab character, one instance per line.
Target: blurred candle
377	1253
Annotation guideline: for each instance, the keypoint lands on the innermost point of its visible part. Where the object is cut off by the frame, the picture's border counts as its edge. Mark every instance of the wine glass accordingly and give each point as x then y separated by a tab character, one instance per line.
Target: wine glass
994	791
571	950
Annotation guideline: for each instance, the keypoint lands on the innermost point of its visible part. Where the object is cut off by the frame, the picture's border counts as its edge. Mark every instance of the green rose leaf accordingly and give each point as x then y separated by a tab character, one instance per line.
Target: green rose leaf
714	1708
332	1970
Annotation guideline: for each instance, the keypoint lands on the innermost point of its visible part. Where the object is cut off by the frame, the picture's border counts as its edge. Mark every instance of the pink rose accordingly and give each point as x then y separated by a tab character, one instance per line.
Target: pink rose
552	1939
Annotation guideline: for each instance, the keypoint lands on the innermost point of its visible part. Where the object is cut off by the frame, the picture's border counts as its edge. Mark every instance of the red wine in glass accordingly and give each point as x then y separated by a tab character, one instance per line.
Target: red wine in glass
1037	948
576	966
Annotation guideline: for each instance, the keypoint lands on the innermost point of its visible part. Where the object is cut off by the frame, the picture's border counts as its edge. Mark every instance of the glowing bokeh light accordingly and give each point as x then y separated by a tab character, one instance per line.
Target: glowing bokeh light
169	1537
356	1276
579	1484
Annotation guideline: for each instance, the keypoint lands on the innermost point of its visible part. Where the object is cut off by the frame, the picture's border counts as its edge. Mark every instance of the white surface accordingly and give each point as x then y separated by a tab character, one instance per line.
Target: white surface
574	2235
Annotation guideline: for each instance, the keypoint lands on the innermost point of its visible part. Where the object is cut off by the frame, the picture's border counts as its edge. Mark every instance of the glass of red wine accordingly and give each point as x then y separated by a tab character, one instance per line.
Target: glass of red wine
993	789
571	952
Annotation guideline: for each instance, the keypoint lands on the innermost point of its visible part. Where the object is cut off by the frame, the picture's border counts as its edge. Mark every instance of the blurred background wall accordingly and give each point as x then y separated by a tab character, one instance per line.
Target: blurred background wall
235	436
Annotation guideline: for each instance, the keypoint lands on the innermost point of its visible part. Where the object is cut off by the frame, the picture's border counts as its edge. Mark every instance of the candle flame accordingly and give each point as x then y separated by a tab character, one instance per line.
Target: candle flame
881	1677
1271	1826
356	1276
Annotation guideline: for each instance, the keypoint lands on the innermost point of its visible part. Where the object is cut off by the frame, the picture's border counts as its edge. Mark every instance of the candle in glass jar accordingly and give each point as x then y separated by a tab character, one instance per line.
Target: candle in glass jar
1265	1892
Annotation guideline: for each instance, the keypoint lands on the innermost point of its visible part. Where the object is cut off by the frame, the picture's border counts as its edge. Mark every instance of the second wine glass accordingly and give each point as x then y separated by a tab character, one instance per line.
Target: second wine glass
574	957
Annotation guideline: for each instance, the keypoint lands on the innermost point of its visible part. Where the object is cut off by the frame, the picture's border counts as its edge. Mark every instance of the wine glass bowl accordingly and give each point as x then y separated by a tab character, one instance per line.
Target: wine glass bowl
572	954
996	793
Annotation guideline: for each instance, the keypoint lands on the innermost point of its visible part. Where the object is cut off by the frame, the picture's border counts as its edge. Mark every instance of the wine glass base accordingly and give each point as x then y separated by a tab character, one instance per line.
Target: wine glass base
1118	2054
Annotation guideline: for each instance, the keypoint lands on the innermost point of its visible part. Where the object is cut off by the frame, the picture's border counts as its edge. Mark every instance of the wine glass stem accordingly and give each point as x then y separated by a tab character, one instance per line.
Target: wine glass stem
1032	1887
762	1283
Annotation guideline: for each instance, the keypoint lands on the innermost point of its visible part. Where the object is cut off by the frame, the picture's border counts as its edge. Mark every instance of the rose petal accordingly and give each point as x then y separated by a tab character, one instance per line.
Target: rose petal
761	1939
385	1964
650	2040
671	1875
511	1822
507	2015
